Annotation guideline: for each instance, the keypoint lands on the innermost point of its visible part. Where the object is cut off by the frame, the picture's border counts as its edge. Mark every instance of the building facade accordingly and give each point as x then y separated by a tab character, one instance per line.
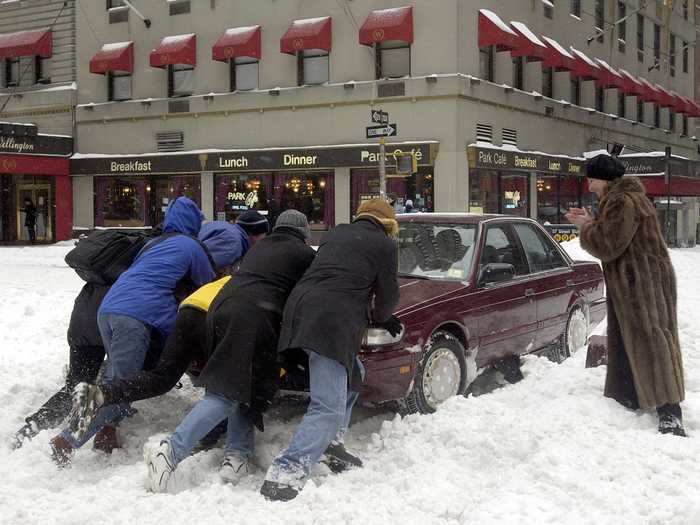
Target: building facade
266	104
37	103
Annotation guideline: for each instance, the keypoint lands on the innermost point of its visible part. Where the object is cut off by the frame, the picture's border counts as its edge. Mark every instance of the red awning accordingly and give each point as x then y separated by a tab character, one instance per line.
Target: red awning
693	108
679	105
610	77
649	92
630	85
665	100
26	44
495	32
180	49
237	42
557	57
113	57
584	67
395	24
309	33
528	44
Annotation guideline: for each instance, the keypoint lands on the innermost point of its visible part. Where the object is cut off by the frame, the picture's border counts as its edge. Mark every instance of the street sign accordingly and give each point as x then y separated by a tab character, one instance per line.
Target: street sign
379	116
381	131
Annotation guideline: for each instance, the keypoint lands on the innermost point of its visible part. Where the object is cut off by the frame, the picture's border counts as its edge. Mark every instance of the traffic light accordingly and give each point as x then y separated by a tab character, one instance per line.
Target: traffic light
406	163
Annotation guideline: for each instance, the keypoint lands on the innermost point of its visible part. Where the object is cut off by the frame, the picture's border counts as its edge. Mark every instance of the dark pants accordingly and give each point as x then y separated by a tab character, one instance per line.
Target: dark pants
31	230
84	365
185	345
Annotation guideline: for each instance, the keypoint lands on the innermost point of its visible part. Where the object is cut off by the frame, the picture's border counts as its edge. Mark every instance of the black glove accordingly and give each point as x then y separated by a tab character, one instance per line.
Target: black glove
391	325
255	411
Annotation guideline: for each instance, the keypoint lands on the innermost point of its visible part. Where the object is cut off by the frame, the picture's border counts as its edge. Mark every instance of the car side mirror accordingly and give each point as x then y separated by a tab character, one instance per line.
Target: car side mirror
496	273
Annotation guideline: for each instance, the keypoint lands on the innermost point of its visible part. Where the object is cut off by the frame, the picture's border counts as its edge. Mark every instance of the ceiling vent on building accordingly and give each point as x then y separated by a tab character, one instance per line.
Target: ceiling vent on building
179	7
484	133
118	14
170	141
391	89
510	137
179	106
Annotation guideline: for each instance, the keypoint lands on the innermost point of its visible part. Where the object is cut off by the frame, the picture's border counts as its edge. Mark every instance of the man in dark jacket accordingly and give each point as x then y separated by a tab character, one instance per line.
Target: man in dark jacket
30	215
141	304
326	316
241	374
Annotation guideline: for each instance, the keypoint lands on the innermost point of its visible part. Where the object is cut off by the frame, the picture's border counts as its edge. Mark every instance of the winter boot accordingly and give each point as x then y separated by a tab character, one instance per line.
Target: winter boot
61	451
275	491
87	400
671	419
161	468
106	439
24	434
510	368
339	459
235	467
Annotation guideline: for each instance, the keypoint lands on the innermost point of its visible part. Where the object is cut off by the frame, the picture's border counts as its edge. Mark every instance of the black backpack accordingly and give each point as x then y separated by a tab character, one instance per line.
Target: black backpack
102	256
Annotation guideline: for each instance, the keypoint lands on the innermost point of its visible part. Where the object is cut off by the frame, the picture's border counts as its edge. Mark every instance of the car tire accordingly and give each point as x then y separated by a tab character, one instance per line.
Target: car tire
574	336
441	374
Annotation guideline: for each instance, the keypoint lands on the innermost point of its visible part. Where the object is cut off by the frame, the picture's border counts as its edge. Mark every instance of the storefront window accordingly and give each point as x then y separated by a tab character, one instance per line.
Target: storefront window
312	193
569	195
121	201
483	191
499	192
515	193
547	199
418	189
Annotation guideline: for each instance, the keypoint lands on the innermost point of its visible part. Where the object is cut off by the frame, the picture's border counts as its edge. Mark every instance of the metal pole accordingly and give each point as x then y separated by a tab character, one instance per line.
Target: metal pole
382	168
668	195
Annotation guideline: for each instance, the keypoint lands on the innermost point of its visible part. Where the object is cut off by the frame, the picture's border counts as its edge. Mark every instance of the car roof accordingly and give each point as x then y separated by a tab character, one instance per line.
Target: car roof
459	218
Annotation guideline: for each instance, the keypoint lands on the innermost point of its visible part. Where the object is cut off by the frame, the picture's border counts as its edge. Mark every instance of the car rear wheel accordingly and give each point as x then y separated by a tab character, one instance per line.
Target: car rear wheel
441	374
575	334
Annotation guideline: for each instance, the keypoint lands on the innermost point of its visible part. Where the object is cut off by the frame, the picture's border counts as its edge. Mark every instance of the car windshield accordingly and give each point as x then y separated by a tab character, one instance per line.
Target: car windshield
436	250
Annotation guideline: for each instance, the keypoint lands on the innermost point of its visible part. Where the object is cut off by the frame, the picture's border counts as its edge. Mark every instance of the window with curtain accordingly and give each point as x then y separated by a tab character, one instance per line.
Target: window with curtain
576	91
518	72
119	86
394	60
180	80
245	73
12	72
313	67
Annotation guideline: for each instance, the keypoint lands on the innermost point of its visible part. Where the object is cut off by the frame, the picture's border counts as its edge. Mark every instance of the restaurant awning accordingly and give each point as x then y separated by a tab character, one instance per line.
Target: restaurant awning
584	67
557	57
388	25
495	32
26	44
630	85
309	33
179	49
113	57
649	92
610	77
238	42
528	45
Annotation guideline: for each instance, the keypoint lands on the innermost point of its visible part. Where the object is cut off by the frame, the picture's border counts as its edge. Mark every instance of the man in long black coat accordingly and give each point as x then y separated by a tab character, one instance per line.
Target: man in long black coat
351	283
241	375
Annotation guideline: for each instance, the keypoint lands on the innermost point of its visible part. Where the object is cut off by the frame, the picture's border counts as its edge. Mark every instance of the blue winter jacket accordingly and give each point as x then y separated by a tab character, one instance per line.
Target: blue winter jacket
226	242
145	290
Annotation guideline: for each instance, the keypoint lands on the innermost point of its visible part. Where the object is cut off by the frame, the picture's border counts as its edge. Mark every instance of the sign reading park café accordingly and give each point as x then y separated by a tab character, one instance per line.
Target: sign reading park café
356	156
516	160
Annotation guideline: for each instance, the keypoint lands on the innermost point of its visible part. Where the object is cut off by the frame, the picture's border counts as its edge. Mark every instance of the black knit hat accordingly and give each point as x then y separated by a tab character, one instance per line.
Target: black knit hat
604	167
253	222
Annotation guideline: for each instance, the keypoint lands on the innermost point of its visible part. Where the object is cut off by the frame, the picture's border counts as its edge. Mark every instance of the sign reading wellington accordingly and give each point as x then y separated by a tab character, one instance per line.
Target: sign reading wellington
388	130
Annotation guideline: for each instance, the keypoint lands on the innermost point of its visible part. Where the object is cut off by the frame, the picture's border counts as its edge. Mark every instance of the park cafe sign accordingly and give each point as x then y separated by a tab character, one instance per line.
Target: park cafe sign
516	160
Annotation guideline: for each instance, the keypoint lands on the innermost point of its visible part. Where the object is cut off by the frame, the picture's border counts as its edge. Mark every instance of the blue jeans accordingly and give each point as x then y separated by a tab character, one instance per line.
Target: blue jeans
205	415
327	418
126	342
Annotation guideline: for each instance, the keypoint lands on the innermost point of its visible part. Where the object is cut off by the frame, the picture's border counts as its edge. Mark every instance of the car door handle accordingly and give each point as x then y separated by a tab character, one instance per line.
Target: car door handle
569	282
529	292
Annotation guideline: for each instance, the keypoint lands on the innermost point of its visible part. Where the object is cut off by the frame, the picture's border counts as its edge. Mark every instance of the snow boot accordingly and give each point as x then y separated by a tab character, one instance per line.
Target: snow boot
275	491
235	467
87	400
671	419
510	368
161	468
106	439
339	459
24	434
61	451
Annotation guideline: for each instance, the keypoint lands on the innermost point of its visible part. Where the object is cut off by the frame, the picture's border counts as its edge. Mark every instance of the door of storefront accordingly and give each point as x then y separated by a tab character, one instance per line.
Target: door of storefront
39	195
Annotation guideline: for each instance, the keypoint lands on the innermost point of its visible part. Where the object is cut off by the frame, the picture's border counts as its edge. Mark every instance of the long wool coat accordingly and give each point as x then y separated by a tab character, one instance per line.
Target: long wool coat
645	368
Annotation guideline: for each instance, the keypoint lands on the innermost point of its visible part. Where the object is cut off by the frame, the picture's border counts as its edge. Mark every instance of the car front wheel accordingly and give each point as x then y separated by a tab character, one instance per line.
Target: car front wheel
441	374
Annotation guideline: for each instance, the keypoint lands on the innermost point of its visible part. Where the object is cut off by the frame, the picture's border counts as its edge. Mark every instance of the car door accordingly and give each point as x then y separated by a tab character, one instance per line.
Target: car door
551	281
506	314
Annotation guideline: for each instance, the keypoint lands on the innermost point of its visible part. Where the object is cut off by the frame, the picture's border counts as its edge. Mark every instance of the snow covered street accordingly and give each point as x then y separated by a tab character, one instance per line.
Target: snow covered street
550	449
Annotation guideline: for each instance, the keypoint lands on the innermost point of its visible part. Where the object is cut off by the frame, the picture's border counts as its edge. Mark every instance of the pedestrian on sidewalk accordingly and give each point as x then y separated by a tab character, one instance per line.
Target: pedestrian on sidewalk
645	367
352	282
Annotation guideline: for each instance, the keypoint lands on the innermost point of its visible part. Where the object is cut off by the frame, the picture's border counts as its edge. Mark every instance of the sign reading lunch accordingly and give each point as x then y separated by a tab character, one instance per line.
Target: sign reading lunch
516	160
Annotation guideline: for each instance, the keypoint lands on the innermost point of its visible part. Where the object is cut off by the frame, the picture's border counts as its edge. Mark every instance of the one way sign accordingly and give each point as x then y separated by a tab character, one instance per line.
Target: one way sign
379	116
381	131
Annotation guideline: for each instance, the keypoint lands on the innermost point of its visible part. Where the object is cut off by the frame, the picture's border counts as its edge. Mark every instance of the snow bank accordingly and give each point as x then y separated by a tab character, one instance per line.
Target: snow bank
550	449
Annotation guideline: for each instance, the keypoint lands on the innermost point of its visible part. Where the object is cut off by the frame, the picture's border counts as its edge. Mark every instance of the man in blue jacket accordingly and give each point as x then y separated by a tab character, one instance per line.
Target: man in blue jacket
142	306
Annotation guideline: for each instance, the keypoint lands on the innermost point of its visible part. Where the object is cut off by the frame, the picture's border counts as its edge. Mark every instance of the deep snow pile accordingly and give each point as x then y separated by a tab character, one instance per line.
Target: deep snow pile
550	449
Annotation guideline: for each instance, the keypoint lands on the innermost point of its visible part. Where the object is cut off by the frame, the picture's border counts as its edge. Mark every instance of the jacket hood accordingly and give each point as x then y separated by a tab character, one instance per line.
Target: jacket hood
183	216
226	242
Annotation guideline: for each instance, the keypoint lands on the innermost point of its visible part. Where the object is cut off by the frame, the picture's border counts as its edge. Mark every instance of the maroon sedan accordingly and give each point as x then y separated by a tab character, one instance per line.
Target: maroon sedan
475	290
